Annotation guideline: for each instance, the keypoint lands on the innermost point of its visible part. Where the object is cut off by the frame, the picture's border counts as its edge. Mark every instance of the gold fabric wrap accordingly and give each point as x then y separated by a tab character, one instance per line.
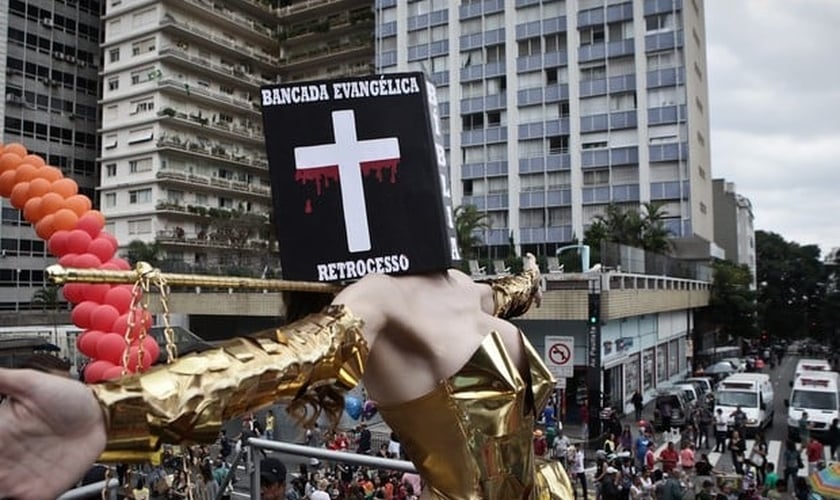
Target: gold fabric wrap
514	294
189	400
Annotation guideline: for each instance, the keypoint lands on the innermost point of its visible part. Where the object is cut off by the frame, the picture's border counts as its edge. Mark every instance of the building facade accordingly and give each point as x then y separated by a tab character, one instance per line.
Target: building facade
556	108
50	59
734	231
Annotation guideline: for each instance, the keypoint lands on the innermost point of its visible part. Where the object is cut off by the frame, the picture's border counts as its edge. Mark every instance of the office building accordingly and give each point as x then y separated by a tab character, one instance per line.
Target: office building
555	109
50	56
734	231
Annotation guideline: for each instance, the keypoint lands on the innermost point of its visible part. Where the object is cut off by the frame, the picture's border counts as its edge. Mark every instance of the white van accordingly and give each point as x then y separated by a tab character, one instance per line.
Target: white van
811	365
818	394
753	392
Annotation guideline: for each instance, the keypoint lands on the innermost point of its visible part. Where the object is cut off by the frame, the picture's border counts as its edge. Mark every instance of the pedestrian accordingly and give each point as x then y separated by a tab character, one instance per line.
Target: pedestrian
737	446
704	423
833	438
804	428
739	420
703	467
674	489
720	432
758	457
584	420
814	452
579	471
669	458
560	446
365	438
641	447
792	461
270	422
638	404
706	493
687	458
625	440
771	478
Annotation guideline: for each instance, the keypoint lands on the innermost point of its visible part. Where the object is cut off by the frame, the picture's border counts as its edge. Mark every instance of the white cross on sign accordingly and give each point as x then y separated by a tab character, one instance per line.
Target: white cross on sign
347	154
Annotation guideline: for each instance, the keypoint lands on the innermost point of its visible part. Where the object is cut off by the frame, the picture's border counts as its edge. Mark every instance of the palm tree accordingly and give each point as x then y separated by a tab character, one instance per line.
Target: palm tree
468	220
654	233
47	298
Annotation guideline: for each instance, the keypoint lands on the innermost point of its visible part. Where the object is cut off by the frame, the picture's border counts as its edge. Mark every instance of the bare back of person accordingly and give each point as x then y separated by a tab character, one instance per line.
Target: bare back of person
418	339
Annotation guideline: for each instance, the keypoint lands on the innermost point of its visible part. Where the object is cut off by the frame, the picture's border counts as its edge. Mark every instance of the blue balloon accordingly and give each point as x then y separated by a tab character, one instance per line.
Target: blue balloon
353	406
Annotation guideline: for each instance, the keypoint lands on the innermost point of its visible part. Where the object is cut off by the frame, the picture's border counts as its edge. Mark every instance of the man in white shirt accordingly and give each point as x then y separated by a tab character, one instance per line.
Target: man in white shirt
720	432
321	492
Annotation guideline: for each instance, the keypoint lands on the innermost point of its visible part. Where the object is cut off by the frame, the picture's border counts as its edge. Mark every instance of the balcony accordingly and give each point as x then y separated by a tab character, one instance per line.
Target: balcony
344	24
666	114
554	162
219	42
476	9
324	55
231	75
480	170
201	124
217	153
255	7
491	201
178	237
484	136
315	9
218	15
213	183
559	234
216	99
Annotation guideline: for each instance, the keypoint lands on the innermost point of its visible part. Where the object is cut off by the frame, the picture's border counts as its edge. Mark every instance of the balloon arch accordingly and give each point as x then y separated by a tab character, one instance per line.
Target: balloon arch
114	323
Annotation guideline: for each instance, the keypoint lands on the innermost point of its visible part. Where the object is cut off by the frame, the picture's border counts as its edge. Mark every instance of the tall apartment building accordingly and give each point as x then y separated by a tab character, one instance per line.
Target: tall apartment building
556	108
50	59
734	230
183	154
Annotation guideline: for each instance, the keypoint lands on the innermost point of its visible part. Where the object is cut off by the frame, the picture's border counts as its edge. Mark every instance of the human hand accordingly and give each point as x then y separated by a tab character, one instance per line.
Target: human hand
51	431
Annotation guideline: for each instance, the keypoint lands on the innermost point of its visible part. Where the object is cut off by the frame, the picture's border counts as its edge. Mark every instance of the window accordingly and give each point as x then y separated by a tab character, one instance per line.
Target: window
662	22
594	145
114	55
596	177
111	170
591	36
110	200
139	135
555	42
143	46
558	144
496	54
110	141
593	73
473	121
114	83
530	47
139	196
142	106
140	226
140	165
143	75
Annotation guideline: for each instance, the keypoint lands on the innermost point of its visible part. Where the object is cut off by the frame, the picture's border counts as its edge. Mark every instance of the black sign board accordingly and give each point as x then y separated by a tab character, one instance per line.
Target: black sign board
359	177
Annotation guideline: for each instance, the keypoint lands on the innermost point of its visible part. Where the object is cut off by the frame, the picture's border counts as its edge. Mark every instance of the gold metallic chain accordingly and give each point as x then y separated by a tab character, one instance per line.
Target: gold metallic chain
168	333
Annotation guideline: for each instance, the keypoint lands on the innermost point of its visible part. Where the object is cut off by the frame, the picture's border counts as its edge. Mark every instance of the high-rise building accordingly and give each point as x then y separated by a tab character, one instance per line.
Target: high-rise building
734	230
50	58
556	108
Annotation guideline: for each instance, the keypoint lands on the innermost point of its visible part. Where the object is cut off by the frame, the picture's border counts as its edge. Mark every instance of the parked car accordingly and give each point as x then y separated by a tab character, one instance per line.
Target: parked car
674	399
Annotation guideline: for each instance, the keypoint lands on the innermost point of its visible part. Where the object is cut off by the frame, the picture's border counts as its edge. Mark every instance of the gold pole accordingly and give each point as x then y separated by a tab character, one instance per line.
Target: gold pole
60	275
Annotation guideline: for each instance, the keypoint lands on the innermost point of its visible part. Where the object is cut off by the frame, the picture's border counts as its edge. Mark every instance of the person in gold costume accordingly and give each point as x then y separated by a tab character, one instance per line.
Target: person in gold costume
459	384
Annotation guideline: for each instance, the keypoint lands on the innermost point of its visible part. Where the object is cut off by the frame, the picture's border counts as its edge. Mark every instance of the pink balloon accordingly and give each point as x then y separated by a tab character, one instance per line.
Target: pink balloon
87	261
78	241
68	260
102	248
103	317
141	319
95	371
134	357
119	297
58	242
121	264
111	347
87	342
150	345
110	237
81	314
95	292
90	224
73	292
113	373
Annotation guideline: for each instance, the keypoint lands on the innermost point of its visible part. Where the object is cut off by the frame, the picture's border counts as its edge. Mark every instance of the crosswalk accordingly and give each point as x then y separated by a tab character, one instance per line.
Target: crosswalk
775	448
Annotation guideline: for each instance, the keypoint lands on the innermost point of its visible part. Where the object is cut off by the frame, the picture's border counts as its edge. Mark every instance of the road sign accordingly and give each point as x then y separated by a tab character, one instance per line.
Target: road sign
559	355
561	383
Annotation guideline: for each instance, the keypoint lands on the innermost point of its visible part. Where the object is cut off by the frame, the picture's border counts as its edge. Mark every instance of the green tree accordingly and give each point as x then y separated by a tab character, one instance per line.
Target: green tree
791	286
237	230
732	304
628	226
48	298
654	235
140	251
468	220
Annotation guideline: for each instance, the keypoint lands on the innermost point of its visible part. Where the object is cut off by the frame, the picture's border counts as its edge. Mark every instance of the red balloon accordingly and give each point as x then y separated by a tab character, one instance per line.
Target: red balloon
78	241
87	342
113	373
91	224
122	264
88	261
102	248
81	314
151	346
110	237
58	243
103	317
120	298
95	292
68	259
111	348
109	266
95	371
146	359
74	292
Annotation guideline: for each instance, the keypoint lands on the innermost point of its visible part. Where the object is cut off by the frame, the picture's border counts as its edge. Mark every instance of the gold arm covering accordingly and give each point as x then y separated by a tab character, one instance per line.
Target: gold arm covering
514	294
189	400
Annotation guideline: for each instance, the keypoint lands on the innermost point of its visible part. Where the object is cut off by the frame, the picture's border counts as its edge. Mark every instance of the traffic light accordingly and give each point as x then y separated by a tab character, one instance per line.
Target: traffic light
594	309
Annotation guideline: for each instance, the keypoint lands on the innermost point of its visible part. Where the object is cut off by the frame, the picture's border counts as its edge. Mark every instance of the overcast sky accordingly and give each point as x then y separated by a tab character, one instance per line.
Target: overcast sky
774	92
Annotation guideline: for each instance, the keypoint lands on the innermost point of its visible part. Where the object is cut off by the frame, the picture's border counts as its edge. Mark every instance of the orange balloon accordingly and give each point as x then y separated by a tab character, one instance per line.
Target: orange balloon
50	173
20	194
78	203
96	213
31	210
9	161
65	219
44	228
25	172
7	183
51	203
38	187
34	159
65	187
16	148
